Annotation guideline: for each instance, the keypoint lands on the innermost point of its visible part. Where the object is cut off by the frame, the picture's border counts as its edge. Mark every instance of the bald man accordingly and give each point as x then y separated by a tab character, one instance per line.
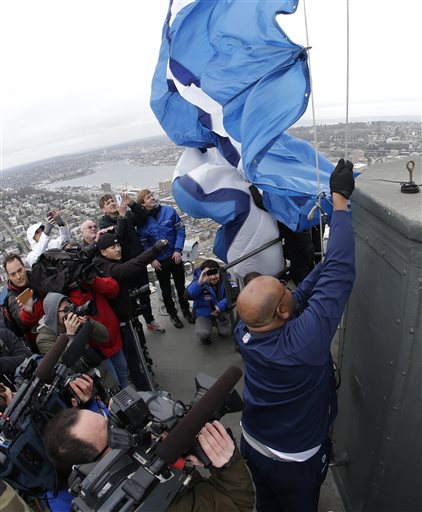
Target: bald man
289	392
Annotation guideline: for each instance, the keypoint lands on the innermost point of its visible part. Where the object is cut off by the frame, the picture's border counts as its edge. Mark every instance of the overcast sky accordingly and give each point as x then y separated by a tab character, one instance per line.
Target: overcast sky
77	74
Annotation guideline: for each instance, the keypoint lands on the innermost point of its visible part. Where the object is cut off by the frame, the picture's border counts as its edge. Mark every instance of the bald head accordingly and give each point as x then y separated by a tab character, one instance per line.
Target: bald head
258	301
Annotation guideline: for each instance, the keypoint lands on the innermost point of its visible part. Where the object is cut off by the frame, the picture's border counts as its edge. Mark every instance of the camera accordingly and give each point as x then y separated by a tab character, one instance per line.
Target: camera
87	309
135	293
148	432
43	392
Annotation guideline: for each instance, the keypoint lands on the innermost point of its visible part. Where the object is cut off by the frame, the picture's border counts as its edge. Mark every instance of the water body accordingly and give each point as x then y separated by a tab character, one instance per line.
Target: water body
120	174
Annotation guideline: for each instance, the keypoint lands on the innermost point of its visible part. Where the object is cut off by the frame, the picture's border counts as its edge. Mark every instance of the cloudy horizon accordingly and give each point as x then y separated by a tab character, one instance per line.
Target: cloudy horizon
77	76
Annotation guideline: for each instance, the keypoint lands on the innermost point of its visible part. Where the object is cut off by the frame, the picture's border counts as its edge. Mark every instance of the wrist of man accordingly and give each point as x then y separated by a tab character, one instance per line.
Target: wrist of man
235	456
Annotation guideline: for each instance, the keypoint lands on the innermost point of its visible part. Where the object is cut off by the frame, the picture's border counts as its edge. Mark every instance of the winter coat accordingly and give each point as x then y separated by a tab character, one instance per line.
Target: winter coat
163	223
102	289
227	490
126	273
202	295
23	322
44	243
126	229
13	352
48	327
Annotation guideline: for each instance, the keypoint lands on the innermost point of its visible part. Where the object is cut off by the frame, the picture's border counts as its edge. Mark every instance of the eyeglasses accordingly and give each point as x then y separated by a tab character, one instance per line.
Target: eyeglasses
94	226
281	299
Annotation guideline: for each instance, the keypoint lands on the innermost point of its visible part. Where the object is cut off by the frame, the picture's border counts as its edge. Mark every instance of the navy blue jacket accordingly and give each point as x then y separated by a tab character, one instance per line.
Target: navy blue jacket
166	226
289	390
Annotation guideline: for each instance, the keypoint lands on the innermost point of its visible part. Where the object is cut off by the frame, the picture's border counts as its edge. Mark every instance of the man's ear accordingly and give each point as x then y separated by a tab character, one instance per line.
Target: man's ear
282	312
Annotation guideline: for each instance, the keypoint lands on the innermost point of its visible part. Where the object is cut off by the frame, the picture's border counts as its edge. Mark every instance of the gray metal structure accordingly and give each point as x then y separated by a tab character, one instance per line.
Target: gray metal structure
380	399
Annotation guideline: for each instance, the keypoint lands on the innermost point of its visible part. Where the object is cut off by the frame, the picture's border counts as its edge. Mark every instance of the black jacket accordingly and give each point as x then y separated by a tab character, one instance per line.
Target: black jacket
126	229
125	273
13	352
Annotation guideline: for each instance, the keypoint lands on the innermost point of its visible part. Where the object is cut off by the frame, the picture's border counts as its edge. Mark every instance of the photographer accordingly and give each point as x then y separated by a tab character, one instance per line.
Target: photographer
39	236
102	289
21	318
57	320
210	304
125	216
79	436
82	387
109	261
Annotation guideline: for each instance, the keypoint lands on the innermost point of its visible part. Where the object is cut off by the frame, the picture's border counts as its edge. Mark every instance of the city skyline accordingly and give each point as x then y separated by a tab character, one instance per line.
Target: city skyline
68	90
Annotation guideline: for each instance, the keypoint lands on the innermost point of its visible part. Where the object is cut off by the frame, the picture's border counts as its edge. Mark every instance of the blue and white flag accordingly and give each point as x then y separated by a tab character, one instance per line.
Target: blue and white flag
229	77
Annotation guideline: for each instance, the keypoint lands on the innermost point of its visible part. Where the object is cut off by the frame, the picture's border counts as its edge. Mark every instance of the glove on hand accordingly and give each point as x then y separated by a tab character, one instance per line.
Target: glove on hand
161	244
59	220
342	180
48	227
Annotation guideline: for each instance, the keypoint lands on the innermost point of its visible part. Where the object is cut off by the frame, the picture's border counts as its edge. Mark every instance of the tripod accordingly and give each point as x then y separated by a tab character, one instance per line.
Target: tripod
139	361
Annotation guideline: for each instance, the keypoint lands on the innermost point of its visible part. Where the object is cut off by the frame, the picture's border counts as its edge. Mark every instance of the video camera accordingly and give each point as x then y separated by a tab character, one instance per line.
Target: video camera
149	432
44	392
62	270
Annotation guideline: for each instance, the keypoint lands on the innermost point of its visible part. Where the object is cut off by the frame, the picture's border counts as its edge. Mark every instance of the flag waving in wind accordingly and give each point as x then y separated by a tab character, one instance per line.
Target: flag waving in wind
229	78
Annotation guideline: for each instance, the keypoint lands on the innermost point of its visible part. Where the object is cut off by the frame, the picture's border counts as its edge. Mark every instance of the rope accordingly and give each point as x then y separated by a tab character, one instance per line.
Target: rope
317	205
342	325
346	129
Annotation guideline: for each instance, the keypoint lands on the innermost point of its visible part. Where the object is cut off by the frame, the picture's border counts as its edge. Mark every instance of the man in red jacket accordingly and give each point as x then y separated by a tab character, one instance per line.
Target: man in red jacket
100	289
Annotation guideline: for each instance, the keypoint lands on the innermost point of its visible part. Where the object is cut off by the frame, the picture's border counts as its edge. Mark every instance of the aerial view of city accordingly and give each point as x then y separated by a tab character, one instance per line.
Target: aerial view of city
30	191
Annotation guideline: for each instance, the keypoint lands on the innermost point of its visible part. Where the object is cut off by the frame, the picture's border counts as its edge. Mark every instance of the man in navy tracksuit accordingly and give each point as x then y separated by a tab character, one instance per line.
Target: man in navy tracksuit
163	223
289	392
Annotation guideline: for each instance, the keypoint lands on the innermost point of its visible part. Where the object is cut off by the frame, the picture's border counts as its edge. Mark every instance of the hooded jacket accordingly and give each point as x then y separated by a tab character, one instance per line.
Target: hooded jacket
44	243
48	330
48	333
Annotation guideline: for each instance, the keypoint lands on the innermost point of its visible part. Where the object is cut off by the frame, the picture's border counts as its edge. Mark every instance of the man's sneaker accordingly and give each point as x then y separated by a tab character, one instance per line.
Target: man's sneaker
189	317
206	341
176	321
154	326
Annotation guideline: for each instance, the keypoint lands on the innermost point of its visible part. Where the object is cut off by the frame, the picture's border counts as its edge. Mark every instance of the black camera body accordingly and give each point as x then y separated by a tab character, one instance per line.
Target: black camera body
89	308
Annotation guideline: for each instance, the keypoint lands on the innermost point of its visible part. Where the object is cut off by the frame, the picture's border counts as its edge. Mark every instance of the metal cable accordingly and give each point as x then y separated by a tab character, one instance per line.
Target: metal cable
346	129
315	136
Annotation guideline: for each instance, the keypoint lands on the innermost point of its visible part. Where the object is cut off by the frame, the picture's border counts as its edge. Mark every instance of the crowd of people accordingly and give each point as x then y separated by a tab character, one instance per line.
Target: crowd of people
284	339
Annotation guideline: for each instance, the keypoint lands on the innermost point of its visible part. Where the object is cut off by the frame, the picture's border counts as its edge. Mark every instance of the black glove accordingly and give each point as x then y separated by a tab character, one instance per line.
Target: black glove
47	228
161	244
59	220
342	180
